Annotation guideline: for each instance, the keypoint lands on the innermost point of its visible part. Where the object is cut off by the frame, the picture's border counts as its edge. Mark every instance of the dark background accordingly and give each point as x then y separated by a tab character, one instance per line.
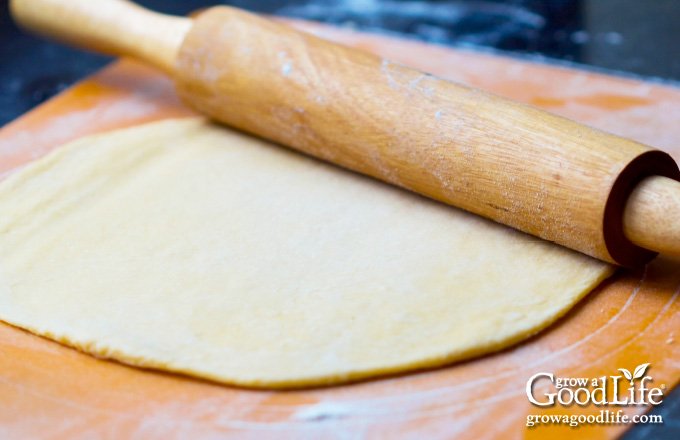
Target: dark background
634	36
639	37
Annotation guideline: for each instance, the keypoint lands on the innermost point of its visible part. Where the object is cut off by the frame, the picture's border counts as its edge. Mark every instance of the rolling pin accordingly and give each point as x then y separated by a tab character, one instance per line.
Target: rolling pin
603	195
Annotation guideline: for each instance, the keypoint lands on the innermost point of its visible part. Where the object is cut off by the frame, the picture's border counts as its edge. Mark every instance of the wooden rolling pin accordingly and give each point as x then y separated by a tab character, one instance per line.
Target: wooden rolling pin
603	195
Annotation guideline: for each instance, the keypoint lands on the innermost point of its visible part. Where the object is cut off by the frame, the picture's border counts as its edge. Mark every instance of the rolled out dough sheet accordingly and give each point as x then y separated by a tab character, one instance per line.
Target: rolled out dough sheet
183	246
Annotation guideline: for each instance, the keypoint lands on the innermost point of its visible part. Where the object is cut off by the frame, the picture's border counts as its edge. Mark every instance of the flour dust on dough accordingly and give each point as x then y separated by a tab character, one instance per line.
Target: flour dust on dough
184	246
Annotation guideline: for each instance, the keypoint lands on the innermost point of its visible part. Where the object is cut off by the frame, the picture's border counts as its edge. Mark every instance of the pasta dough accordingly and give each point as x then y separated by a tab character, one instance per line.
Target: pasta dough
183	246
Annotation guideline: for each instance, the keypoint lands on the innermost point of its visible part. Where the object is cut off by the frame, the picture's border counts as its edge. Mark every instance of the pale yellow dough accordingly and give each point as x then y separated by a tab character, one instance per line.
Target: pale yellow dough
187	247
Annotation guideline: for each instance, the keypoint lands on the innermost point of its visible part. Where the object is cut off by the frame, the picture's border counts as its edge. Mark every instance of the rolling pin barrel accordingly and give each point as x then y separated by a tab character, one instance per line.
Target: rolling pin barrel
537	172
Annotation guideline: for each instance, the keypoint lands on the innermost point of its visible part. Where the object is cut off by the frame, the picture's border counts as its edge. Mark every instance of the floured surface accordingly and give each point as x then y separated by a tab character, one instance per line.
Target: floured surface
187	247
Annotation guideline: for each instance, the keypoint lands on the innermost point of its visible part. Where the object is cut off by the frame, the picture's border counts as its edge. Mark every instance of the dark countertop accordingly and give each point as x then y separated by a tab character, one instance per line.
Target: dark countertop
625	36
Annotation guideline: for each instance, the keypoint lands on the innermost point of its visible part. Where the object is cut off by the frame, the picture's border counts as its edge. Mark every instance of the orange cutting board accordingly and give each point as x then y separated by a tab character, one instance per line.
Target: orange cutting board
51	391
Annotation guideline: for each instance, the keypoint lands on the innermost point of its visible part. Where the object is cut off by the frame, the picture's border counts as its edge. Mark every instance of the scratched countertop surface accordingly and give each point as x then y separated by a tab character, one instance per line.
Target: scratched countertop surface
623	37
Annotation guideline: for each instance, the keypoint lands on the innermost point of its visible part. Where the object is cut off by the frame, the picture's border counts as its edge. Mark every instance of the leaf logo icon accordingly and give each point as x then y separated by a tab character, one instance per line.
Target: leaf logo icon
638	373
627	374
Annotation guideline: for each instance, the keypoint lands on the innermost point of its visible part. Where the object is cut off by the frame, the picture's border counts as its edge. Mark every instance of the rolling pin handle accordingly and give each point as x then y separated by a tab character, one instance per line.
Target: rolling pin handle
651	218
116	27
